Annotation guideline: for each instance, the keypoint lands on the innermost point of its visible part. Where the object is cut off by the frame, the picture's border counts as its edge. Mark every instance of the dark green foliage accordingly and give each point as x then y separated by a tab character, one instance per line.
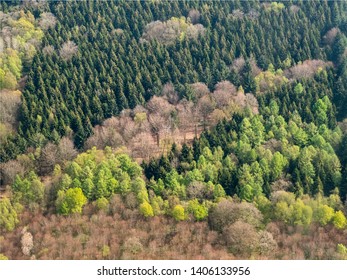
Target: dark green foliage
258	152
113	70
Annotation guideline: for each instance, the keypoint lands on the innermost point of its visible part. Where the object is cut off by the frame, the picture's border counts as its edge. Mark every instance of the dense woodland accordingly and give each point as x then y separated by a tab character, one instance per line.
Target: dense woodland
173	130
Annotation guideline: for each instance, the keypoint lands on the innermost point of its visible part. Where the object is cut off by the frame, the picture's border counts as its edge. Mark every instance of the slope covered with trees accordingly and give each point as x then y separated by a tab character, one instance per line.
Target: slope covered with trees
169	129
70	88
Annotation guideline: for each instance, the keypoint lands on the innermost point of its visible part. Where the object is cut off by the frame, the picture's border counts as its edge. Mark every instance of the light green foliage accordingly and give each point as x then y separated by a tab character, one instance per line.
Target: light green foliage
218	191
278	163
250	181
300	214
25	38
157	186
339	220
146	209
277	6
342	250
173	183
100	174
102	204
298	88
324	214
290	210
282	212
3	257
199	211
28	190
158	205
321	109
8	215
105	251
178	213
270	79
71	201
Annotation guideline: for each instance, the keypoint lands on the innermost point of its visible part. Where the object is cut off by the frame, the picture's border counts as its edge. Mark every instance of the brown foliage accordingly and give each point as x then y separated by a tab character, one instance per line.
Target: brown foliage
167	32
241	238
170	94
47	20
9	105
199	89
227	212
307	69
127	237
68	50
9	170
330	36
194	16
27	242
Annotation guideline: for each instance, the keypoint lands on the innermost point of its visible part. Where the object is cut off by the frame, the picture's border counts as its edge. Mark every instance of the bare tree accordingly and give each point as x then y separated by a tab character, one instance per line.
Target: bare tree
9	105
127	127
238	64
170	94
252	103
205	107
27	242
330	36
281	185
194	16
48	159
196	190
253	14
225	86
159	105
48	50
223	94
294	9
66	150
199	89
240	98
47	20
266	243
241	238
9	170
238	14
167	32
227	213
158	124
307	69
68	50
255	69
142	145
185	114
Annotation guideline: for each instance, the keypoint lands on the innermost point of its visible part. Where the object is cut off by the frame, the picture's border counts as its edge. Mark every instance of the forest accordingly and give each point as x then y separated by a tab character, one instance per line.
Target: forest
173	129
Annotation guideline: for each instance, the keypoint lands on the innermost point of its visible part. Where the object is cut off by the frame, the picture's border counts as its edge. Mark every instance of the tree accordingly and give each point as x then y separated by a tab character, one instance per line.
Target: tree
8	215
298	88
27	242
47	20
241	238
227	212
10	170
146	209
199	211
339	220
324	214
178	213
29	190
71	201
277	165
68	50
